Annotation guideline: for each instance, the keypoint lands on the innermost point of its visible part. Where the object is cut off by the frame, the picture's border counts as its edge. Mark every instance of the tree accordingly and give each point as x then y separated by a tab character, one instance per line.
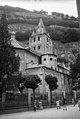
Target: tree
32	81
62	59
9	61
75	73
52	82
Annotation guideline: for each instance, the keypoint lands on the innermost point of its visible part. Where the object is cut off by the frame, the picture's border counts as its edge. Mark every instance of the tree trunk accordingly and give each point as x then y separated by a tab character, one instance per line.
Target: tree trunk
3	101
51	96
33	95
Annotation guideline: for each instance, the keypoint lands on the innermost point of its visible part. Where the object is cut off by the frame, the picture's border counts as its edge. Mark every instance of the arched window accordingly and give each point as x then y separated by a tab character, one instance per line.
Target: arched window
38	38
34	39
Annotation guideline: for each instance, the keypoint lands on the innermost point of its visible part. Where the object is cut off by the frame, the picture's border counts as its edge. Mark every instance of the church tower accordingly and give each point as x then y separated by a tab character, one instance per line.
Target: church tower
40	40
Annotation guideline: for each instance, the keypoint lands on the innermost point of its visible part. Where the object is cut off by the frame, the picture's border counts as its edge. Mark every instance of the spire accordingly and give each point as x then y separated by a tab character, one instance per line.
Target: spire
41	28
41	23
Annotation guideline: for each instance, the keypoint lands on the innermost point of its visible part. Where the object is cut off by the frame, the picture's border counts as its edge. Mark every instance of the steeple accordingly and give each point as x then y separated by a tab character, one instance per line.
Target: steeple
40	40
41	23
41	28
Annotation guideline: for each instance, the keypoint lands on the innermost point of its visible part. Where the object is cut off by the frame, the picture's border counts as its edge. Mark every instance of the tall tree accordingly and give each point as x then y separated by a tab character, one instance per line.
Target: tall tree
32	81
75	73
9	61
52	82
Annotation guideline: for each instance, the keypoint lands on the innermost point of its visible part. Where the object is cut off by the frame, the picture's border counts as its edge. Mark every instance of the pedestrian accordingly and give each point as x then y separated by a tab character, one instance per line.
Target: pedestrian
79	104
64	104
35	106
58	104
40	105
73	101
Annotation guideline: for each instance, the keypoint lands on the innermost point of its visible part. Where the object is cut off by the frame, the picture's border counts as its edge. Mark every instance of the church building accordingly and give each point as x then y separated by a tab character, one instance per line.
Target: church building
39	58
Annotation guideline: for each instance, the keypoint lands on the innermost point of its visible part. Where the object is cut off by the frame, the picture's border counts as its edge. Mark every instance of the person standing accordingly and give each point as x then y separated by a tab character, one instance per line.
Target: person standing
35	106
40	105
64	104
73	101
58	104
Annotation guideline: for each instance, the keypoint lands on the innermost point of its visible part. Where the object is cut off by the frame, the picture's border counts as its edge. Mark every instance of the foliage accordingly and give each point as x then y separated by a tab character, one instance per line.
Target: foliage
33	18
9	62
51	81
75	68
32	81
75	72
64	35
23	36
74	52
57	33
62	59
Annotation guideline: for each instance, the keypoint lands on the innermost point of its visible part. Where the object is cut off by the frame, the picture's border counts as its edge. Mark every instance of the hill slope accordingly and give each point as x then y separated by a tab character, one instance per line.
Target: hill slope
62	28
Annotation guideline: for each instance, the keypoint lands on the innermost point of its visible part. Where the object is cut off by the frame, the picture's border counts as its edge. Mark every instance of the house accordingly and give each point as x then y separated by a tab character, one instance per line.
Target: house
39	58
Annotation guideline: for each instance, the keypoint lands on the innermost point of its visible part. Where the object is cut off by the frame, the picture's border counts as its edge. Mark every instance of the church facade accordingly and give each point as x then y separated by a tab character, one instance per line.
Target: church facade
38	58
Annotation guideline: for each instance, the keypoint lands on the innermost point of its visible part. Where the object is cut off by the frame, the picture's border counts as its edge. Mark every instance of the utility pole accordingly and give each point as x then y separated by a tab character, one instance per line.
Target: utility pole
78	9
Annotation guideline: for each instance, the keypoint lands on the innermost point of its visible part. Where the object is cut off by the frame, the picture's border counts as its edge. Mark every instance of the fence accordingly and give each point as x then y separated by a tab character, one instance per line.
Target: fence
17	101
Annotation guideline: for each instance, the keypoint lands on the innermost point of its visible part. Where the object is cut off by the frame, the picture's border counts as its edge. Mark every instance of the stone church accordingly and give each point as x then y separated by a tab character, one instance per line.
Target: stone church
39	58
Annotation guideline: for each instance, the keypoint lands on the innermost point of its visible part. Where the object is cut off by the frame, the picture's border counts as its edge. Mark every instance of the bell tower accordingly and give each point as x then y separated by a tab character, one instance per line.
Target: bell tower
40	40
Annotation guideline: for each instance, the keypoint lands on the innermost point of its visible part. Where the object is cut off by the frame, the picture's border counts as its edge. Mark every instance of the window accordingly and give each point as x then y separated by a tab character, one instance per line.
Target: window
38	47
38	38
44	59
47	39
51	67
34	39
51	59
34	48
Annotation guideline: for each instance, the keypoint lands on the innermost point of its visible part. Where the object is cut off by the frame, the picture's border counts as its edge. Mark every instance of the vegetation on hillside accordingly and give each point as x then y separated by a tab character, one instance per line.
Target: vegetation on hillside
62	28
19	15
60	34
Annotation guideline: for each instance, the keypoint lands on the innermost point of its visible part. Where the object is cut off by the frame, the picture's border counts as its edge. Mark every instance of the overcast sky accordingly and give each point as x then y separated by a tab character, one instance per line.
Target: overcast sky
61	6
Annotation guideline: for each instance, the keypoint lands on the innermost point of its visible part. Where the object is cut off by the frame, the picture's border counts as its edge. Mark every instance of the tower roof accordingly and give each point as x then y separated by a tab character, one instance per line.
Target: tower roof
41	23
41	27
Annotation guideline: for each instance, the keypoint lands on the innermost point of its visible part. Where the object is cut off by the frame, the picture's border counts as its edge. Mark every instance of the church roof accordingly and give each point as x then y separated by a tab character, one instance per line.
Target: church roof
49	54
20	45
15	43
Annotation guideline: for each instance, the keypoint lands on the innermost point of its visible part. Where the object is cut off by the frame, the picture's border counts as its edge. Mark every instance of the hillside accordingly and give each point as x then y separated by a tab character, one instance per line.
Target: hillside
63	29
19	15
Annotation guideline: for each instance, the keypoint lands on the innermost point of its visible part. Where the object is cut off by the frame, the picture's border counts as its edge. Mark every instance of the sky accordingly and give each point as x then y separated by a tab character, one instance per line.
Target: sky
62	6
